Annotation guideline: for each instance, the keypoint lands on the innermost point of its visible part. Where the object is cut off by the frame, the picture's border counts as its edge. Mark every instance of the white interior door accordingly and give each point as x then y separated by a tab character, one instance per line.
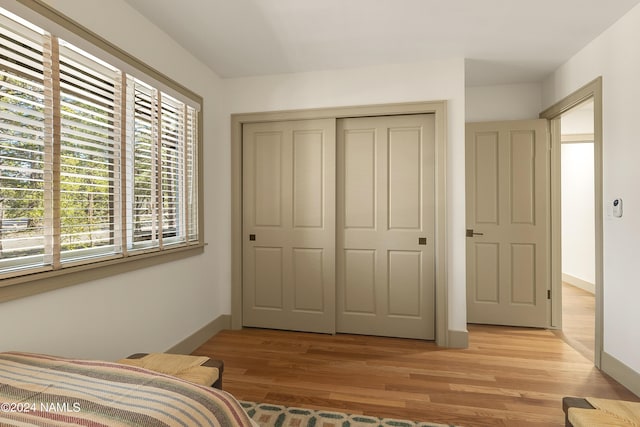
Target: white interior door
507	211
289	225
386	218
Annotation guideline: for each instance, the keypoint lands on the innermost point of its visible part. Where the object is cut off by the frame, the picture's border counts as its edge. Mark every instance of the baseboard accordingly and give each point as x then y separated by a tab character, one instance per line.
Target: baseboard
621	373
579	283
458	339
195	340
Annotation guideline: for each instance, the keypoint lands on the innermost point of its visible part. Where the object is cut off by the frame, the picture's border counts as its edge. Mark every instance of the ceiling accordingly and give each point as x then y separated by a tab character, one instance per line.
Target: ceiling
503	41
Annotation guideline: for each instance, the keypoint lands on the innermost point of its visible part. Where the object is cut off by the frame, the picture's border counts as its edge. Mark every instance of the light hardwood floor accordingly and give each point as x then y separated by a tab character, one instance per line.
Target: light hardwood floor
507	376
578	319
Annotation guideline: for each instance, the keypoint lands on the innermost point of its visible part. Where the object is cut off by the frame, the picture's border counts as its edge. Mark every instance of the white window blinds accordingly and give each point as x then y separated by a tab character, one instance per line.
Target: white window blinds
89	155
94	163
144	154
172	176
22	148
191	166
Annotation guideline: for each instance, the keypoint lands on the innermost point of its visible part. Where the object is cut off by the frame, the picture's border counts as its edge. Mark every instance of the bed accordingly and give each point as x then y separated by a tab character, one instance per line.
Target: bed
43	390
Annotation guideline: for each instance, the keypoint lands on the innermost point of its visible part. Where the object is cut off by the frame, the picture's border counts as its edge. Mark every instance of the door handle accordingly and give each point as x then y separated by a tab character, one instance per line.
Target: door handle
252	237
422	240
471	233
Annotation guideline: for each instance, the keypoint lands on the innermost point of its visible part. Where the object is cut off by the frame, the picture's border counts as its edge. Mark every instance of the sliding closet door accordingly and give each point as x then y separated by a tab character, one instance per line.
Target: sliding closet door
289	225
386	216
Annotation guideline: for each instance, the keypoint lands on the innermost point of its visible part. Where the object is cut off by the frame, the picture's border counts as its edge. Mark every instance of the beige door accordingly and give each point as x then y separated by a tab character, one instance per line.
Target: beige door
507	210
289	225
385	261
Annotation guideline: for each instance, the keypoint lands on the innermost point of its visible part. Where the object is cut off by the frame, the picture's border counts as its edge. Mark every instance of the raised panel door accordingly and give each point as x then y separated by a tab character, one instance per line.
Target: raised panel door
289	225
507	193
385	276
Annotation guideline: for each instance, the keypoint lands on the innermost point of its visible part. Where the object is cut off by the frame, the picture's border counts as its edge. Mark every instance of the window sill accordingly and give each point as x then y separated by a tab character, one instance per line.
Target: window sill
32	284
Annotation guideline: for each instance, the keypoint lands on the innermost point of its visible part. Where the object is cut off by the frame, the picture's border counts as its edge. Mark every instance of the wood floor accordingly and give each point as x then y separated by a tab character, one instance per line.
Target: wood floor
578	319
507	376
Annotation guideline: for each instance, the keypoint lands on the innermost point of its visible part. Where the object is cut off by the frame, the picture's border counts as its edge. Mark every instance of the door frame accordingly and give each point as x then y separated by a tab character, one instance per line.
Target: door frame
592	90
439	108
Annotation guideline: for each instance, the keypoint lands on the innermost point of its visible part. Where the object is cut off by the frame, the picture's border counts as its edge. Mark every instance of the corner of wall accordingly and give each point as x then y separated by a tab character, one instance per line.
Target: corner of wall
202	335
458	339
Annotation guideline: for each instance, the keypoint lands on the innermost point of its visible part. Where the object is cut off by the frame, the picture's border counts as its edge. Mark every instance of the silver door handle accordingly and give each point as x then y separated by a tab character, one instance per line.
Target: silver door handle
470	233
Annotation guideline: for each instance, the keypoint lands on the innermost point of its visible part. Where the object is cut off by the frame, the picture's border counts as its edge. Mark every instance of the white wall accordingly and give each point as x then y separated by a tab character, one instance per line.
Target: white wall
614	55
503	102
441	80
578	220
155	308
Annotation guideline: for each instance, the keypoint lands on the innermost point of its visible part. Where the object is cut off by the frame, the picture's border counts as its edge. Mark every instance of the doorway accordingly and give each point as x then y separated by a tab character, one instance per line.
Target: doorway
590	92
578	227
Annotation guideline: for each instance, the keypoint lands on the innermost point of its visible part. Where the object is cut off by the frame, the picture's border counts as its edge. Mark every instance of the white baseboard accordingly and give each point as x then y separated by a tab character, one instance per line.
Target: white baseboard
458	339
621	373
579	283
201	336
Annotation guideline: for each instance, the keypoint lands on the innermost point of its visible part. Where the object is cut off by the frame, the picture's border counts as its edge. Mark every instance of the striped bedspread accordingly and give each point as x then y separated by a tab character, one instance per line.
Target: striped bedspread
41	390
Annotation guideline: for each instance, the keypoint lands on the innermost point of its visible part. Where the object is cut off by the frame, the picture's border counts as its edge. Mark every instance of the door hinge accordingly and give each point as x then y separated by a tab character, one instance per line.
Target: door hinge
548	293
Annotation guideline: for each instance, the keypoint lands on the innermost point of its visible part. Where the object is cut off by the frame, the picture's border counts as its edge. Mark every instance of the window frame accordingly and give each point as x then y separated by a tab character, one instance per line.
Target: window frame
44	279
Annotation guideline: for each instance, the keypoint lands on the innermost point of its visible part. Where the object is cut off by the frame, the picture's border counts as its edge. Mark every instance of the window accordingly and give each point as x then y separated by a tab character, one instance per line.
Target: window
95	163
159	117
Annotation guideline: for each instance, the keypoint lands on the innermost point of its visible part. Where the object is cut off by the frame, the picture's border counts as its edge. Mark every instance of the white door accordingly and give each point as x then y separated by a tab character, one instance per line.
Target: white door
507	211
289	225
386	216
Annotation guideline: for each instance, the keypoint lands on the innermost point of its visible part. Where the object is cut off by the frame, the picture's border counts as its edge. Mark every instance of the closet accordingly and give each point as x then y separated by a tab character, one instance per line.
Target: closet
339	225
